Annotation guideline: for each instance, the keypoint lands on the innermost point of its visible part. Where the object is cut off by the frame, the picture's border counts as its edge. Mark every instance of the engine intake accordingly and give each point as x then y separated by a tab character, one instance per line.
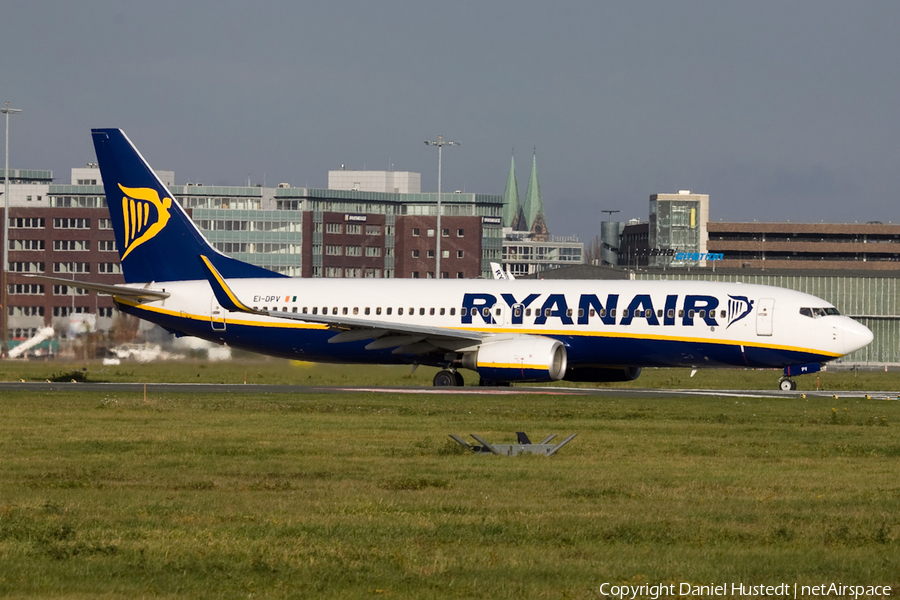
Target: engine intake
525	358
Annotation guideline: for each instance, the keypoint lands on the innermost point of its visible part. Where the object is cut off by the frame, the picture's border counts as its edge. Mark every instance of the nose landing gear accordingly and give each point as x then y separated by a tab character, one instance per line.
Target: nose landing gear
787	384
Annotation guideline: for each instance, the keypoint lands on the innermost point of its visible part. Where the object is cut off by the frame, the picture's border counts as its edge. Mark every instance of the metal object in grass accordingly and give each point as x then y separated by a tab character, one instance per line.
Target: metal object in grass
524	445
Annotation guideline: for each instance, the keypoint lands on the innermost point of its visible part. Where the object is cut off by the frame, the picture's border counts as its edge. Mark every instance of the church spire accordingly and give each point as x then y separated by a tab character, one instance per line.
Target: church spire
511	196
533	210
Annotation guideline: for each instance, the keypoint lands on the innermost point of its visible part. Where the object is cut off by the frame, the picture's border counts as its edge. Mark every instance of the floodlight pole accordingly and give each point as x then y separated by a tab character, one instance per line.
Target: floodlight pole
440	143
4	322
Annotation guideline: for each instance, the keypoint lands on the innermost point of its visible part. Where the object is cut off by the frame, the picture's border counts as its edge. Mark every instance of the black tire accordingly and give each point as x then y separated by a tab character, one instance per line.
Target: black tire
444	379
460	382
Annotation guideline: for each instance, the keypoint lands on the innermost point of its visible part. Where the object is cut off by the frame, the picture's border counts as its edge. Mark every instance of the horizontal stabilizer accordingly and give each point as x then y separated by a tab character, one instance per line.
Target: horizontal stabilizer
122	291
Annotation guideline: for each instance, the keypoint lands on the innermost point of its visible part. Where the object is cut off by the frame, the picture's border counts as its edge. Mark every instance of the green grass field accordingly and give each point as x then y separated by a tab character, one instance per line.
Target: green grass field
363	495
255	369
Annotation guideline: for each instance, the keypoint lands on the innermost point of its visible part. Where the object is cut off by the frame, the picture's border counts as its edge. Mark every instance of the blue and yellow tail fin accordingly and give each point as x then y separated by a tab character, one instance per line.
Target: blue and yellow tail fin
156	239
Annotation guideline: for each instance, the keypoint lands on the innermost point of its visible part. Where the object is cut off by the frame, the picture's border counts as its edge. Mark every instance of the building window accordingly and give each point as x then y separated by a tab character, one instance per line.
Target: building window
107	245
354	229
373	229
104	224
26	267
333	251
374	251
430	233
66	290
445	254
330	272
445	232
26	223
353	250
71	267
460	253
459	275
429	253
109	268
106	312
445	275
415	232
415	274
352	272
71	223
72	245
333	227
415	254
460	233
26	244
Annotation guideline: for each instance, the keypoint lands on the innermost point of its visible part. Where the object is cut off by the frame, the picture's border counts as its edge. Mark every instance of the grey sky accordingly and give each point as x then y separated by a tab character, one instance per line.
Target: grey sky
778	110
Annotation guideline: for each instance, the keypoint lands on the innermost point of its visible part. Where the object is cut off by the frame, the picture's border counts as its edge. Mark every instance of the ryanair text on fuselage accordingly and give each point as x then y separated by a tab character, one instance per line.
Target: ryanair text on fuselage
478	308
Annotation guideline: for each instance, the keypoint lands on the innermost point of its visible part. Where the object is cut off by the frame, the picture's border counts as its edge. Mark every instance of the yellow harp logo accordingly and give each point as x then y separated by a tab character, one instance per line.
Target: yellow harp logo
138	208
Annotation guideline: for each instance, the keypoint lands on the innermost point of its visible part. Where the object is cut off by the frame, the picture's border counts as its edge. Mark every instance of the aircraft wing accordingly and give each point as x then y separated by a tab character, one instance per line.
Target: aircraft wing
404	338
122	291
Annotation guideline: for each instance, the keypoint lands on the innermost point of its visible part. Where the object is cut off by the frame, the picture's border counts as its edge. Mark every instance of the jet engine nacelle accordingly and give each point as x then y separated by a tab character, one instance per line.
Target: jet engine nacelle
525	358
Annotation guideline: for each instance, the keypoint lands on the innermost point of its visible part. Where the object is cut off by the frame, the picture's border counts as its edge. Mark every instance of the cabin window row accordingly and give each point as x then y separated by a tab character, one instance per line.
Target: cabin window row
486	312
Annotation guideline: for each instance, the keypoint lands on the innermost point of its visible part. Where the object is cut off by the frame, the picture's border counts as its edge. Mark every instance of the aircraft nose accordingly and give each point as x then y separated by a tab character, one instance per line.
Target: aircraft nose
855	336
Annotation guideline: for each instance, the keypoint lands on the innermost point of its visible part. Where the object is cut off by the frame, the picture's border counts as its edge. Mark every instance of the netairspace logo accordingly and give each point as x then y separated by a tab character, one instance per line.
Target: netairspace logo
736	590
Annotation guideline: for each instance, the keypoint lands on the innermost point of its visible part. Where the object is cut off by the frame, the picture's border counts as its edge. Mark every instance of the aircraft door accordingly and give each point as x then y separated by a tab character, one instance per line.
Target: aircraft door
216	315
765	312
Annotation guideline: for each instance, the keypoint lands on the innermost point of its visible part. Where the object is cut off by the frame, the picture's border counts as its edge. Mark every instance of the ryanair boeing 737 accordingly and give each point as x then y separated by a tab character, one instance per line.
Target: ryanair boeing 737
505	330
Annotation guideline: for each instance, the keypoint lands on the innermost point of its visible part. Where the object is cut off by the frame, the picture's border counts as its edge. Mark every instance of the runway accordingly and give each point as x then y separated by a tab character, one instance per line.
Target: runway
213	388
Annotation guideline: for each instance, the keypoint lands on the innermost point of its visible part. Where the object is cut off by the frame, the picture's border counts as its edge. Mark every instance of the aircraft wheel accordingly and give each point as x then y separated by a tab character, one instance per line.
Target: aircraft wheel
458	378
787	385
444	379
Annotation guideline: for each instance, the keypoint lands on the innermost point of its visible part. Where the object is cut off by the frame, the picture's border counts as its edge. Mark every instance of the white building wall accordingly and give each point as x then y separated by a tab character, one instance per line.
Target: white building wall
391	182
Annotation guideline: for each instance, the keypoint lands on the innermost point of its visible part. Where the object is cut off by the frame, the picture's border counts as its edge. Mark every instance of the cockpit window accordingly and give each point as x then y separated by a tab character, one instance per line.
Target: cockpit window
817	313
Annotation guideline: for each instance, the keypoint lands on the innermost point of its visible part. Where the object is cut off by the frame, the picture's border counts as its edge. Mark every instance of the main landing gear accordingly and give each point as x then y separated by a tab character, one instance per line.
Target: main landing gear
448	379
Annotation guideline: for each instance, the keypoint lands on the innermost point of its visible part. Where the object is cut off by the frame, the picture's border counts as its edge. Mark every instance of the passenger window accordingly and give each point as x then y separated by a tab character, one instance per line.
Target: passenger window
378	310
344	310
389	310
294	309
412	311
702	314
355	310
334	310
722	314
625	313
681	313
690	314
315	310
603	312
452	311
671	313
497	312
546	312
659	312
592	312
431	311
569	313
527	312
648	313
367	310
400	311
612	312
422	311
486	312
442	311
517	311
462	311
